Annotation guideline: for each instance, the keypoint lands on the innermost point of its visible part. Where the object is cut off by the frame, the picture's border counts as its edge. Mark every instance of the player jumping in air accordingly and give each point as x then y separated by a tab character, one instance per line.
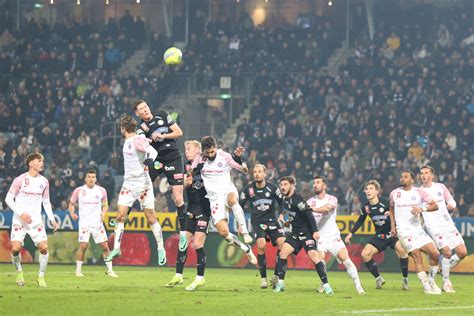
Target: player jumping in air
379	212
324	208
406	205
262	196
163	131
221	192
197	219
91	202
28	193
441	228
303	235
138	157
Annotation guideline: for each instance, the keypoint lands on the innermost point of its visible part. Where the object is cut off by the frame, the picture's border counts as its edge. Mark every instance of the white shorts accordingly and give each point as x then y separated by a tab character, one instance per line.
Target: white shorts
414	240
37	233
131	192
331	245
219	206
98	234
449	238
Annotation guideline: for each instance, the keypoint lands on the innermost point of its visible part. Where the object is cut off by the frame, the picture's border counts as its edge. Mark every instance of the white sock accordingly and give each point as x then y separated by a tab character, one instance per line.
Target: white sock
433	272
352	271
156	228
43	262
454	260
445	268
79	265
199	277
233	240
16	260
240	218
424	280
109	266
118	235
179	274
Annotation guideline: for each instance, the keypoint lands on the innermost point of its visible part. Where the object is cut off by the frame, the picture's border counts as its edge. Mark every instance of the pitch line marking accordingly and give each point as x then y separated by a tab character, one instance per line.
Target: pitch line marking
408	309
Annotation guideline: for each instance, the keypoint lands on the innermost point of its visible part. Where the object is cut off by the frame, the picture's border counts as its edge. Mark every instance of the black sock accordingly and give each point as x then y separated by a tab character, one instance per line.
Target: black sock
180	261
372	267
262	265
321	270
181	217
404	266
201	261
281	269
276	263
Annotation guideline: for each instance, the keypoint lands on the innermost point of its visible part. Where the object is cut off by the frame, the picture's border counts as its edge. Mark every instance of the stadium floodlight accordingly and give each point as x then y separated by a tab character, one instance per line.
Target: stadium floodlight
330	3
51	1
78	2
107	2
138	1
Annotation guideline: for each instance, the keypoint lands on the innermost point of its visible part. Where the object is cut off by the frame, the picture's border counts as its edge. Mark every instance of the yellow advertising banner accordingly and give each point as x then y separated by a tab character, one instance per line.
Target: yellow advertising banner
346	222
137	221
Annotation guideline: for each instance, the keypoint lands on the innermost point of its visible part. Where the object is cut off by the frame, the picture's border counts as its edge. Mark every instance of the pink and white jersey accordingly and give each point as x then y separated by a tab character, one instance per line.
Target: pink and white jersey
402	201
216	173
439	220
327	225
135	151
90	202
26	195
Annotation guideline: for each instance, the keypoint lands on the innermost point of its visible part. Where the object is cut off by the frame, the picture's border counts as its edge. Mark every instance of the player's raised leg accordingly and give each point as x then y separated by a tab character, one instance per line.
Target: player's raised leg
233	202
222	227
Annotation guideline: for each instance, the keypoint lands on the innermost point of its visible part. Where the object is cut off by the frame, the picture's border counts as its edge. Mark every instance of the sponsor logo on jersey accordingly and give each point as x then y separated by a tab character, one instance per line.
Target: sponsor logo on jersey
399	194
170	168
178	176
301	205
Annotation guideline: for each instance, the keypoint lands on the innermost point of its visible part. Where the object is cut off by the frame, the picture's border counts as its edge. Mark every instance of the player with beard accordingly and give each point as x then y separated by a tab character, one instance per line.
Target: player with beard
262	197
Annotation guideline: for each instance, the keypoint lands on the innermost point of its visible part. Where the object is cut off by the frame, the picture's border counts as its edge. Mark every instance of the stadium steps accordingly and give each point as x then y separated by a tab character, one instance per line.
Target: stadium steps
134	62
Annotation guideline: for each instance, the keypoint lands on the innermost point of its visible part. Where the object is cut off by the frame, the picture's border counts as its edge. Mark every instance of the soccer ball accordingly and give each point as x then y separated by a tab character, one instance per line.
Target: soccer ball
173	56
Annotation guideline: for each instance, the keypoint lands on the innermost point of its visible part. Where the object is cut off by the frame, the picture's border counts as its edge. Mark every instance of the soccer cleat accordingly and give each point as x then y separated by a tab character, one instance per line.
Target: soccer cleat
379	282
79	274
20	281
161	257
41	282
435	288
113	254
430	291
280	286
327	289
264	283
405	285
448	287
360	290
251	256
247	238
176	280
111	274
196	284
320	289
274	281
183	242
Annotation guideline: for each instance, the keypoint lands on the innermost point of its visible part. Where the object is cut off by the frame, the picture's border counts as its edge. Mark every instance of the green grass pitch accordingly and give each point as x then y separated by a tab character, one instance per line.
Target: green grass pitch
140	291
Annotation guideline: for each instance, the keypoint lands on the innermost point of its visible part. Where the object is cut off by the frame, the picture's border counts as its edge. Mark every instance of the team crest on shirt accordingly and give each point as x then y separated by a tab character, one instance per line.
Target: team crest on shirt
84	192
129	146
41	186
251	192
367	209
161	122
267	194
439	194
219	164
413	198
97	197
399	194
381	210
27	182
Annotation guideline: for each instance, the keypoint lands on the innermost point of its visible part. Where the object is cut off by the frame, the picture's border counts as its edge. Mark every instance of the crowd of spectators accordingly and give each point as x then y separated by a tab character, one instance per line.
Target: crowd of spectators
402	100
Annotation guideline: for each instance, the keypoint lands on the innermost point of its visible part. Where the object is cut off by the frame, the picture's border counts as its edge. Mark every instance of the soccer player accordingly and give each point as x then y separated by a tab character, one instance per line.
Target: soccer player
138	158
324	207
406	205
197	219
441	228
92	204
163	131
262	196
28	193
303	235
215	169
379	212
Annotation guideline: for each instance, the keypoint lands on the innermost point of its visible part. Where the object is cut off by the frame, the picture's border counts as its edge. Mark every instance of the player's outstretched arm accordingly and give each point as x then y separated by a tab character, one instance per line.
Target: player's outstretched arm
358	224
105	204
428	206
324	209
176	132
233	164
48	208
10	200
73	203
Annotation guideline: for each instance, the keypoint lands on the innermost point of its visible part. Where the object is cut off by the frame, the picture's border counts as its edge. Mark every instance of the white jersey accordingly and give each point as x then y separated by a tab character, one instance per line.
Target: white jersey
440	220
402	201
135	150
326	222
216	173
90	202
26	195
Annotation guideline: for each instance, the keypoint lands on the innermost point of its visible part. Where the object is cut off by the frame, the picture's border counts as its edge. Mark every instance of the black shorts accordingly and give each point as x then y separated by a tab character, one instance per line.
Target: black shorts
173	170
301	241
383	243
270	230
199	223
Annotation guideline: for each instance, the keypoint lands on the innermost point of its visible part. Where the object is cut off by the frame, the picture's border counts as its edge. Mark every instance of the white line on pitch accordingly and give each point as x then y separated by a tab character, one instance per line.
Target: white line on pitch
408	309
